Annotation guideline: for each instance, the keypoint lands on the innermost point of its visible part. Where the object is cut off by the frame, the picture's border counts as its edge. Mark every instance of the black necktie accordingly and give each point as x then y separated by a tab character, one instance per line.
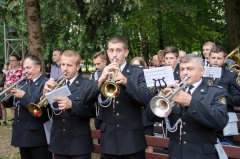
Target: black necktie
30	82
189	89
68	83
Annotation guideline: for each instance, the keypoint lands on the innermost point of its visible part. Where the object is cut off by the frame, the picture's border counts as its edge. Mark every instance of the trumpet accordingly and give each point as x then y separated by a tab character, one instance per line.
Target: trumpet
35	109
15	85
110	89
161	106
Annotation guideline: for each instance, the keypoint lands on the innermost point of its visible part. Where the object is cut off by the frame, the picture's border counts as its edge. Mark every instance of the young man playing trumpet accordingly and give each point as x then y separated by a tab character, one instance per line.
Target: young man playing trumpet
71	134
122	133
196	114
28	132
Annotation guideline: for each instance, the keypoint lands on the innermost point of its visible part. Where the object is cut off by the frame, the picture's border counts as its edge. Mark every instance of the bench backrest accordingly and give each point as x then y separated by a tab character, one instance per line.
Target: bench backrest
160	142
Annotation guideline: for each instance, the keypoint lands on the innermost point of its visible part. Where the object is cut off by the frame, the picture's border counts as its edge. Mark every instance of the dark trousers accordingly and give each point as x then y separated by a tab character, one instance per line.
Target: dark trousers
85	156
137	155
35	152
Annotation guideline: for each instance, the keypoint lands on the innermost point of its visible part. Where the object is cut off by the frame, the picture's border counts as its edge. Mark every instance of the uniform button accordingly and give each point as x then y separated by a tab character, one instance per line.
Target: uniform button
184	142
184	132
118	125
63	129
18	120
184	123
117	102
117	114
64	120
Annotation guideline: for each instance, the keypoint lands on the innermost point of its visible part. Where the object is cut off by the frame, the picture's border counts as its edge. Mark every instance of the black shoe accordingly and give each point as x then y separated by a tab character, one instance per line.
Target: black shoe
4	123
11	119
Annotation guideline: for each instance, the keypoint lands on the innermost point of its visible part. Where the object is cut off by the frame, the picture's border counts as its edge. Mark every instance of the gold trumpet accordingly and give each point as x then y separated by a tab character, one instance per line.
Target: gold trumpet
161	106
35	109
235	55
15	85
110	89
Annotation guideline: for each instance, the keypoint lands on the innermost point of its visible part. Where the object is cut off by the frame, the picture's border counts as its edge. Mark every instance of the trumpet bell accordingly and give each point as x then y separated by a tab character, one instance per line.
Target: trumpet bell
34	109
110	89
160	106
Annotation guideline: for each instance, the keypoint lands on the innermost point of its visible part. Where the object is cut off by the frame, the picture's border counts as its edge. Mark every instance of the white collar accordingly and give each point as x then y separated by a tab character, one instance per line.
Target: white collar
34	80
123	65
71	80
195	85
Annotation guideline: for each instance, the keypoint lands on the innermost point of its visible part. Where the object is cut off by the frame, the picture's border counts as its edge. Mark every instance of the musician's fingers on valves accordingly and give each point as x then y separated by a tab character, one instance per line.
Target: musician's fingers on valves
182	98
18	93
121	79
49	85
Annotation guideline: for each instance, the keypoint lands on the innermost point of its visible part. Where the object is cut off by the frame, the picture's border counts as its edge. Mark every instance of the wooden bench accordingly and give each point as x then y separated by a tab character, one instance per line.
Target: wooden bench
231	151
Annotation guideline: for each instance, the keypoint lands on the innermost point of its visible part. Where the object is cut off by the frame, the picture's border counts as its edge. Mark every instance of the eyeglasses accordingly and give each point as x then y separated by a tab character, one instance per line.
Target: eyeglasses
115	50
12	60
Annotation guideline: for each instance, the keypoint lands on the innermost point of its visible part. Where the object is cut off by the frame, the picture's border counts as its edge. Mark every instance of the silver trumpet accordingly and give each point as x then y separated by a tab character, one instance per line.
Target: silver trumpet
161	106
7	91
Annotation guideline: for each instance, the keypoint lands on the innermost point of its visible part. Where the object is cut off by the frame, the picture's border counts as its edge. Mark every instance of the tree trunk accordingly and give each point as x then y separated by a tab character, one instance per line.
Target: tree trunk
232	8
32	10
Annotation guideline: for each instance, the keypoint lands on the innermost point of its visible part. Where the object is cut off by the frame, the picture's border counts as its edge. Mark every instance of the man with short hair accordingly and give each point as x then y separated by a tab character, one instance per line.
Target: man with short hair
229	80
100	61
171	54
199	111
122	132
28	132
207	46
71	133
56	69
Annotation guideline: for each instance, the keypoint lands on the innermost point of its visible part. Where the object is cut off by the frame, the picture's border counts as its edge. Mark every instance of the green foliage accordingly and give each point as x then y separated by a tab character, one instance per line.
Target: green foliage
85	25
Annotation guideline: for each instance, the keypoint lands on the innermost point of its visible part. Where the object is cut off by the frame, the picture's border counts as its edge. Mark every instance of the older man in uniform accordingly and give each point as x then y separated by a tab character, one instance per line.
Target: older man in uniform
71	133
202	110
28	131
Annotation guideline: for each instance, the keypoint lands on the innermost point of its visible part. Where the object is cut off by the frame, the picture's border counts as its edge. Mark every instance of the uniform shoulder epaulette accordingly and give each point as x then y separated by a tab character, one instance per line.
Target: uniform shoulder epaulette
216	86
137	66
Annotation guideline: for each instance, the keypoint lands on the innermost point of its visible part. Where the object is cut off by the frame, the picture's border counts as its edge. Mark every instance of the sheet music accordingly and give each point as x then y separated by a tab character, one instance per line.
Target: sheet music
59	92
158	73
214	72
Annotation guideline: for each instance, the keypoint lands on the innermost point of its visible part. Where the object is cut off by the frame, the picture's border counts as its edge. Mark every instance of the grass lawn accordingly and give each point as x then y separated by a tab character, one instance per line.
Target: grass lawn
6	150
9	152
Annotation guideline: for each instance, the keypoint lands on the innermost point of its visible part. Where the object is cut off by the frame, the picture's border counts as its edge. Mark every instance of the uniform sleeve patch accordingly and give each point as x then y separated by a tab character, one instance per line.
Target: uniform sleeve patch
238	80
222	100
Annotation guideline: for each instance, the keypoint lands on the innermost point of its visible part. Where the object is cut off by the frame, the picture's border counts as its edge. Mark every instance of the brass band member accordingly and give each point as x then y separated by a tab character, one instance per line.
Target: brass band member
202	110
122	133
71	134
207	46
28	132
229	80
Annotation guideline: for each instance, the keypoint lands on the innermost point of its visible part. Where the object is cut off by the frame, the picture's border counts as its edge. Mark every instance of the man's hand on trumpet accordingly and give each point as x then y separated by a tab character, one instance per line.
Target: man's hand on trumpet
49	85
182	98
18	93
121	79
109	70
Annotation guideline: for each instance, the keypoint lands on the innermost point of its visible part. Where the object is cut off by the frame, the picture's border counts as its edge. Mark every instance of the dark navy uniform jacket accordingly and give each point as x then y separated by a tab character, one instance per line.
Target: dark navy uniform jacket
206	113
28	131
121	129
231	83
71	133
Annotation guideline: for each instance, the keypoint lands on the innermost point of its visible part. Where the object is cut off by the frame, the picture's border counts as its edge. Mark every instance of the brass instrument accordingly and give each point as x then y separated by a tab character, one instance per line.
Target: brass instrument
235	55
161	106
110	89
15	85
35	109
